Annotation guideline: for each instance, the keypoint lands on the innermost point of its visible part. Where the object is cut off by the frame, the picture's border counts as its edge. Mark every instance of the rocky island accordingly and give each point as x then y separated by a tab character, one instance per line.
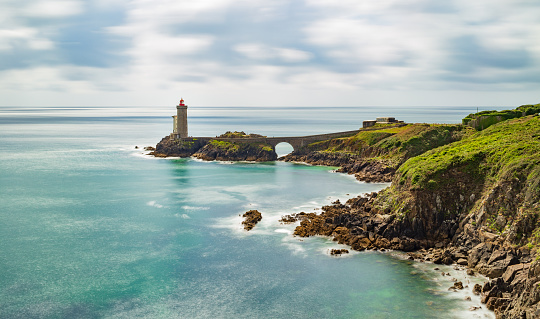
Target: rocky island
220	150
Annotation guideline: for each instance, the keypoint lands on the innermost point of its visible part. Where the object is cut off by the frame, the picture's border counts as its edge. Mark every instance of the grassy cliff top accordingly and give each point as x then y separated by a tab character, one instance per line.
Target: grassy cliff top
509	148
490	179
396	144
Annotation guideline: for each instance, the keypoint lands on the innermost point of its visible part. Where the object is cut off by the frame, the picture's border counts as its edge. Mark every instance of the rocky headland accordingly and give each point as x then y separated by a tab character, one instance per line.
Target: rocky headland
459	195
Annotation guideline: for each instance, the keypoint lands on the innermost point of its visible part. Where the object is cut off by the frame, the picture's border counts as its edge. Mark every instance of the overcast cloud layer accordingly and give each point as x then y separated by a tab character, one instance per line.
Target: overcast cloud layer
262	52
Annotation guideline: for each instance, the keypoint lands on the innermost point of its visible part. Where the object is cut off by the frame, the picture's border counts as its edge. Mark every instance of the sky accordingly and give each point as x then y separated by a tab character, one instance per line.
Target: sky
269	52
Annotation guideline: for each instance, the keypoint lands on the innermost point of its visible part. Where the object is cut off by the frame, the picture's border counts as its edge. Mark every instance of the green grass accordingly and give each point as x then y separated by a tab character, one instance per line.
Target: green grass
396	144
493	173
224	145
239	134
239	146
508	149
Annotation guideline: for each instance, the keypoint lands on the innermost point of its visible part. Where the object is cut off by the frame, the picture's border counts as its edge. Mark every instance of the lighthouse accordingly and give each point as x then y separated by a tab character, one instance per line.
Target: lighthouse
180	120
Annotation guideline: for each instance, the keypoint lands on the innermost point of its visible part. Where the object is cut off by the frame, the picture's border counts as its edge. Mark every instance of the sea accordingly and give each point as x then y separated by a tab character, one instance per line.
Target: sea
93	227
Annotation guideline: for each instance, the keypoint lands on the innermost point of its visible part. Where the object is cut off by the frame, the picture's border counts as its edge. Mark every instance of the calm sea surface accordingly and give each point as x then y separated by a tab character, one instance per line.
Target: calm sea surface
92	228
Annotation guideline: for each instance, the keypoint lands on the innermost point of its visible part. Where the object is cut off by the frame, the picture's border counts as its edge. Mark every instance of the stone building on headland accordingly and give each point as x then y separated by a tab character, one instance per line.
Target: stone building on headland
380	120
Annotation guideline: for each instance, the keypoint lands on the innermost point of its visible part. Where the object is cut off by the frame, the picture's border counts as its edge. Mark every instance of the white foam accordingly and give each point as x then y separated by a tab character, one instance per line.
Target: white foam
283	231
457	273
153	203
195	208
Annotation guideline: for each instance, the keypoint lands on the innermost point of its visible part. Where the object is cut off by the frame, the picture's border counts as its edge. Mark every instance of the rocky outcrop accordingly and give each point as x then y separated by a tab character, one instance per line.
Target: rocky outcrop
338	252
513	292
214	150
227	151
252	217
176	147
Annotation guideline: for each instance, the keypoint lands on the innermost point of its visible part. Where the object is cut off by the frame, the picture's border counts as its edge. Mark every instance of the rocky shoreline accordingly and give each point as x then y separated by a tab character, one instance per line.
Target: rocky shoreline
364	170
511	292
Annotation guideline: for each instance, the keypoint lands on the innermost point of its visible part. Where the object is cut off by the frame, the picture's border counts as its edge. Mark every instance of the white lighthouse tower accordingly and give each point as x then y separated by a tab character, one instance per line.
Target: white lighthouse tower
180	120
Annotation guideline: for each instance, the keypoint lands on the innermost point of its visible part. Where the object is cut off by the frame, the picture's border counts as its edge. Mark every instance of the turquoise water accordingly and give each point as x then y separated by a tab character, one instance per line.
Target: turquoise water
93	228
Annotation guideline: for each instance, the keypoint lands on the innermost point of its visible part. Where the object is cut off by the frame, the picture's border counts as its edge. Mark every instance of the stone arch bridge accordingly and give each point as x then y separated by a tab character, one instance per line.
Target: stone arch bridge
295	141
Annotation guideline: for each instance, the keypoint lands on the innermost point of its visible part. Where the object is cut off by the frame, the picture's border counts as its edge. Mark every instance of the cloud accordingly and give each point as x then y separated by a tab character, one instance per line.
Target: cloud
26	37
245	48
257	51
52	8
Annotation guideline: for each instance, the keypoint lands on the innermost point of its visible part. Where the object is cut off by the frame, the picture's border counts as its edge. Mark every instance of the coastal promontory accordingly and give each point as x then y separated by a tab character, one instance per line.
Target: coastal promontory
467	195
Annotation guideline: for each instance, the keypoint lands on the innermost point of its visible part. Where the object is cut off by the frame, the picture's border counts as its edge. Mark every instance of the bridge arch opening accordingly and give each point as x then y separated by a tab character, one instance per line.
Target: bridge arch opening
283	148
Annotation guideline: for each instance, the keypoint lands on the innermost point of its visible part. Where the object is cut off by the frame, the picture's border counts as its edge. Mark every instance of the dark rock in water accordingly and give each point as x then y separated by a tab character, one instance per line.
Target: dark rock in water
136	147
252	217
477	289
288	219
458	285
334	252
149	148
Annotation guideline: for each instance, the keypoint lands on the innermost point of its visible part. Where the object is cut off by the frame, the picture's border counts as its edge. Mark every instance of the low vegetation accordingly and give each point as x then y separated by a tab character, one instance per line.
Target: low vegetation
237	134
394	145
510	148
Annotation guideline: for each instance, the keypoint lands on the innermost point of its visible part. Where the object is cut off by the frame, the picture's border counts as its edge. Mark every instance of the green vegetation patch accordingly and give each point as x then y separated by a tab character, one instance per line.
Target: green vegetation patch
240	146
396	144
239	134
224	145
508	149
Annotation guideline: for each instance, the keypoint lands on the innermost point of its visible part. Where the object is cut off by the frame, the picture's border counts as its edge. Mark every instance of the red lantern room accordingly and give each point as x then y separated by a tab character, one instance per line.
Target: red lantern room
181	103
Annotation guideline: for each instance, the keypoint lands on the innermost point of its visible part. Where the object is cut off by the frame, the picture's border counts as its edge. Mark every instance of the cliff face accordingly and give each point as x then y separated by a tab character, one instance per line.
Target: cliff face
474	202
215	150
177	148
